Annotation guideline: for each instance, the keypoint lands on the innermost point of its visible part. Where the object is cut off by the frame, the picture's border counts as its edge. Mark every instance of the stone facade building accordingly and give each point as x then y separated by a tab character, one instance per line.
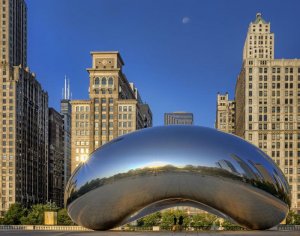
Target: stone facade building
65	111
56	158
23	115
179	118
114	108
267	98
225	117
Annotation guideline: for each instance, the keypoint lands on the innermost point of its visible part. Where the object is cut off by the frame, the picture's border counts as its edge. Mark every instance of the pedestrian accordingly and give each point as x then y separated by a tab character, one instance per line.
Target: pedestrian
180	222
175	223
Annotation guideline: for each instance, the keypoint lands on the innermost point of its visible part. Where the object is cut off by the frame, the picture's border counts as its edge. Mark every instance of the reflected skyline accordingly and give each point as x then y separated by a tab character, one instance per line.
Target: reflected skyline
154	168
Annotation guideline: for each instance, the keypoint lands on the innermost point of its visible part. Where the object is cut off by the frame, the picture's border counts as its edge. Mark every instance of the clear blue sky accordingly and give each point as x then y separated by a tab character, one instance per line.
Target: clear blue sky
177	65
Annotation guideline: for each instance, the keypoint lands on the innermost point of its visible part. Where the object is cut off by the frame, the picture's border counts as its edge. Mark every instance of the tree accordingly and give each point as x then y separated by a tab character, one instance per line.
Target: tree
35	215
63	218
293	218
150	220
229	225
167	218
14	214
204	220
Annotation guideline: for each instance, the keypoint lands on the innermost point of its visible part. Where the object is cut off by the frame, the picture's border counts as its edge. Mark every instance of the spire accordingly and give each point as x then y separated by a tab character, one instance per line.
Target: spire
65	95
68	89
66	92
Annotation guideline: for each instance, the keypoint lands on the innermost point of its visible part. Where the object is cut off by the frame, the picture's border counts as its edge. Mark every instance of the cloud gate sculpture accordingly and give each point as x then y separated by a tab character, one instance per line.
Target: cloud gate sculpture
156	168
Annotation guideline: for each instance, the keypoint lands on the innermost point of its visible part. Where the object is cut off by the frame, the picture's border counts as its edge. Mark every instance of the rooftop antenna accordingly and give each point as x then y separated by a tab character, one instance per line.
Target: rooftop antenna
68	97
65	94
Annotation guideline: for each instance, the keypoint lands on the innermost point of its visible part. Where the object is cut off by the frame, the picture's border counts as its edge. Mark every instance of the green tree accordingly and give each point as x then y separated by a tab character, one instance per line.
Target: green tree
63	218
14	214
293	218
35	215
150	220
167	218
51	206
204	219
228	224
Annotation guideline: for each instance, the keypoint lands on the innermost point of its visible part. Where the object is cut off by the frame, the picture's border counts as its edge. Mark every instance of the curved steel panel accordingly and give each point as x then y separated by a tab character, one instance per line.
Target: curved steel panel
156	168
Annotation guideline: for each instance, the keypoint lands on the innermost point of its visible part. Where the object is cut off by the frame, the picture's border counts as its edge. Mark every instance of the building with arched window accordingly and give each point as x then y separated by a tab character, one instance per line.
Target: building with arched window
115	108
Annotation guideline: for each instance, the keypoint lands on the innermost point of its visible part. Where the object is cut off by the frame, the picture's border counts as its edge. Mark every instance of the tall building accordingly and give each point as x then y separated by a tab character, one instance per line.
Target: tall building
56	158
178	118
23	115
225	117
65	111
267	99
146	115
114	108
14	32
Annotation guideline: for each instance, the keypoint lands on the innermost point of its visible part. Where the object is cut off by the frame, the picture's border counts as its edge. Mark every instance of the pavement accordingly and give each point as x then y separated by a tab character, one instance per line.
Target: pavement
114	233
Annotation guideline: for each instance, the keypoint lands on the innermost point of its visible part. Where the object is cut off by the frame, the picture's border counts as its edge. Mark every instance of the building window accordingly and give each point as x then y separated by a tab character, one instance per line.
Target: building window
110	81
103	81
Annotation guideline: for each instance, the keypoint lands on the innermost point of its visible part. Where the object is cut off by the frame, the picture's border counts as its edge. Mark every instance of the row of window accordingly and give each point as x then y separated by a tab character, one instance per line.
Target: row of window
95	132
104	108
125	124
104	100
277	136
274	86
275	78
82	108
82	150
278	109
103	91
276	126
274	93
291	171
82	143
260	37
125	108
104	81
264	70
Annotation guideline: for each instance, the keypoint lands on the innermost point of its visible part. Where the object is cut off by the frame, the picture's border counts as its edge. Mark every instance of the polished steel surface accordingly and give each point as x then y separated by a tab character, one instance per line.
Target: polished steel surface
157	168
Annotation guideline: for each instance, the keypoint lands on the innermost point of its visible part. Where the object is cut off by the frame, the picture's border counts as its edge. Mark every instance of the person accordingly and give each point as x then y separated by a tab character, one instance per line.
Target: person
175	222
180	222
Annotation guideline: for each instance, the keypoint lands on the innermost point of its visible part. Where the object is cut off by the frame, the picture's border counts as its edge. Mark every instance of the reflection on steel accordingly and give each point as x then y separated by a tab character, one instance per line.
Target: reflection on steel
157	168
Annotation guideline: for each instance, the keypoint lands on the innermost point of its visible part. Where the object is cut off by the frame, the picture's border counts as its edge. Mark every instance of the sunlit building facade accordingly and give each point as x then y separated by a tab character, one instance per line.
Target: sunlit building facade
114	108
179	118
225	116
267	99
23	115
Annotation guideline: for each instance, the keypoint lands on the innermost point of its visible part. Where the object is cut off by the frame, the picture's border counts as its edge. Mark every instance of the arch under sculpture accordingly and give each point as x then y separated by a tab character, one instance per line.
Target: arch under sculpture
157	168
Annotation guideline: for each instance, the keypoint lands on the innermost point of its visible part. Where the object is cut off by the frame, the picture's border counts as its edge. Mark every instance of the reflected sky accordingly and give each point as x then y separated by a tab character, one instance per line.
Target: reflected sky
177	146
166	162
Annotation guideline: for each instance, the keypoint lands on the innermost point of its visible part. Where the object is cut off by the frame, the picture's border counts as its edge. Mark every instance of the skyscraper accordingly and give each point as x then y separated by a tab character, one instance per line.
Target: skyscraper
65	110
178	118
114	108
225	117
23	115
14	32
267	100
56	158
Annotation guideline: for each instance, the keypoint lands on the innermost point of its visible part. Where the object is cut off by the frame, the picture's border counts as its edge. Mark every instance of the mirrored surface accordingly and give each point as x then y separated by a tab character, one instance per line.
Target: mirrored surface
157	168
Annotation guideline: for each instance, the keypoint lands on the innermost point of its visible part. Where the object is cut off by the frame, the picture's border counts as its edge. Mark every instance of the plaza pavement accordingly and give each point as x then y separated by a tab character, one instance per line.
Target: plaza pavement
110	233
